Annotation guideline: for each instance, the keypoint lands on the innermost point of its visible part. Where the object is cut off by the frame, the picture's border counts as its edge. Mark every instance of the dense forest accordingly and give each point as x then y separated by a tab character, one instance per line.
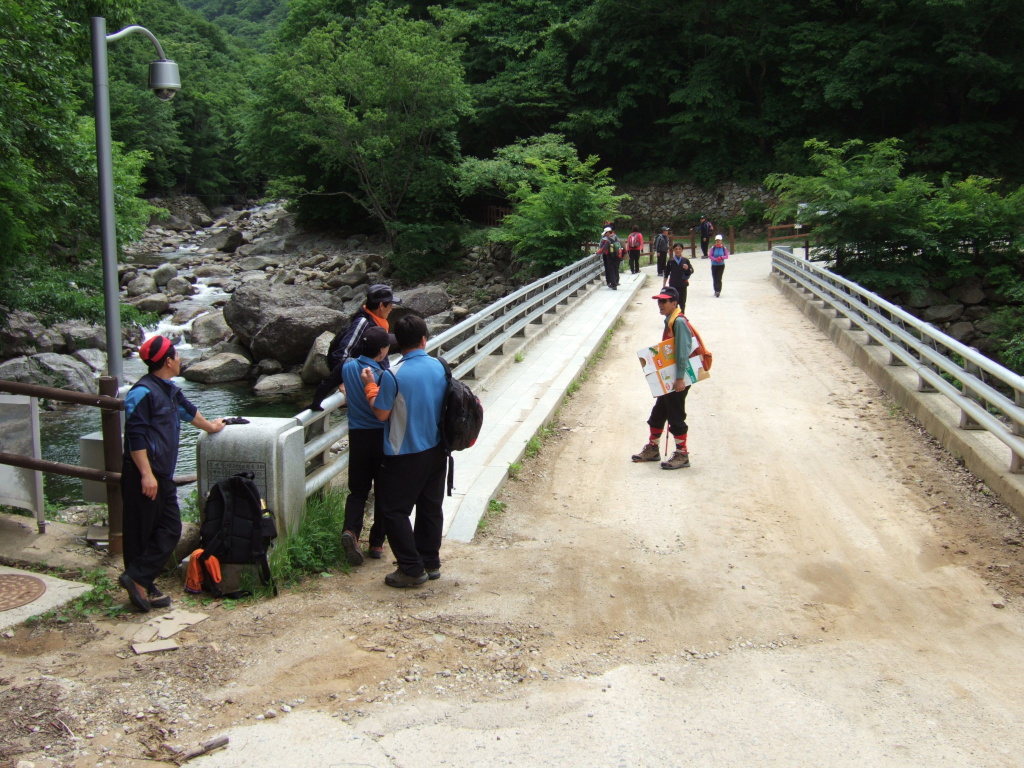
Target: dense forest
406	118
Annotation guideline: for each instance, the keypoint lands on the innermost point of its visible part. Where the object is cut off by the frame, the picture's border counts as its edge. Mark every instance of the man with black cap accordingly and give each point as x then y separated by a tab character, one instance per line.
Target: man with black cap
661	244
154	408
365	445
671	406
704	229
380	300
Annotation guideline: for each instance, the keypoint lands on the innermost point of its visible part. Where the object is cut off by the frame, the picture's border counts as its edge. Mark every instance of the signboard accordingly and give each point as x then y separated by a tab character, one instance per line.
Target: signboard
19	434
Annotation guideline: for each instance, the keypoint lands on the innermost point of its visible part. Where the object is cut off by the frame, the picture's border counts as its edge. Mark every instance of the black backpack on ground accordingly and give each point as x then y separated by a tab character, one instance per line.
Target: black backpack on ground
462	416
236	529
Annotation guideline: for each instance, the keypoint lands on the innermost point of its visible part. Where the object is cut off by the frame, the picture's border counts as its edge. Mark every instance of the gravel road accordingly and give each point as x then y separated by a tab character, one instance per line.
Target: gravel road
823	586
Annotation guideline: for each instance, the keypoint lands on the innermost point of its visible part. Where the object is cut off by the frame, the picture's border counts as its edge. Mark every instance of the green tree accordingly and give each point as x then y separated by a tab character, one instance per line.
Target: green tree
559	201
381	100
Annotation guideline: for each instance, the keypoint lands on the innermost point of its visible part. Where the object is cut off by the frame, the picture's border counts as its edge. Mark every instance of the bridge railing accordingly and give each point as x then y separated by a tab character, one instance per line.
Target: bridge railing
989	396
465	346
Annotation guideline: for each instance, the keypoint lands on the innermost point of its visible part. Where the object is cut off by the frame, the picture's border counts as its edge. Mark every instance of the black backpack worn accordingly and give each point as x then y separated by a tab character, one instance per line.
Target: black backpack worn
462	416
236	529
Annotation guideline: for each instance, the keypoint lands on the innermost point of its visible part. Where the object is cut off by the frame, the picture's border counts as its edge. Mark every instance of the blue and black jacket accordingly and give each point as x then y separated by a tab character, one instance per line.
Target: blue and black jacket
154	409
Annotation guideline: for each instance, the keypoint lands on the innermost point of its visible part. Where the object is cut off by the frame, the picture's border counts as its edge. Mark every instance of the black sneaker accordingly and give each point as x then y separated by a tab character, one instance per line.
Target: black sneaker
400	579
158	599
433	574
351	546
375	552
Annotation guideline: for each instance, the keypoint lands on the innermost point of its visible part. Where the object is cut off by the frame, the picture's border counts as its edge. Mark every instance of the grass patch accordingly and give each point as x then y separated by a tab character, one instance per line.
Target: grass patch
190	507
514	469
494	508
102	600
316	546
518	357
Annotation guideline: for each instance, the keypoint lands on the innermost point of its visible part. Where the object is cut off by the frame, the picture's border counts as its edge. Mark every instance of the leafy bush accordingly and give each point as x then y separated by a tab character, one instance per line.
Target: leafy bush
887	230
559	201
316	546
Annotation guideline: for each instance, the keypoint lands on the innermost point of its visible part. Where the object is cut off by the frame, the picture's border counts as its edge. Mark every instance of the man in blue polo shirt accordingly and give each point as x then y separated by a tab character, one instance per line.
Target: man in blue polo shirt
412	473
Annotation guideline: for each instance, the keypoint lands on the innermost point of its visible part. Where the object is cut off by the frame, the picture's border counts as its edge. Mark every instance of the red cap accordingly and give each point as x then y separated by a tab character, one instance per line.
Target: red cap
155	348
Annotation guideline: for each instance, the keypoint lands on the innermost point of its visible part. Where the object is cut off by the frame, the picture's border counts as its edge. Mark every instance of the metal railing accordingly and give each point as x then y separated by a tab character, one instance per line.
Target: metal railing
989	396
465	346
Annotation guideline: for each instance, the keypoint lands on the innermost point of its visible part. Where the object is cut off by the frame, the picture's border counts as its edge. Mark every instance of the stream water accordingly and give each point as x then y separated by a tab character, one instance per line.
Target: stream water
61	429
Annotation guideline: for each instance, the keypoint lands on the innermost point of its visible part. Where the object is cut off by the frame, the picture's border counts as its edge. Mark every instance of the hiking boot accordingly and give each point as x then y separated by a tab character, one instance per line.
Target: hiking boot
433	574
400	579
158	599
375	552
649	453
350	544
135	593
677	460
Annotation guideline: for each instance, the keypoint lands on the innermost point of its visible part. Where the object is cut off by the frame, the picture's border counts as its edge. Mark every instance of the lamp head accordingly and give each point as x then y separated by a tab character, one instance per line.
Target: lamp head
163	79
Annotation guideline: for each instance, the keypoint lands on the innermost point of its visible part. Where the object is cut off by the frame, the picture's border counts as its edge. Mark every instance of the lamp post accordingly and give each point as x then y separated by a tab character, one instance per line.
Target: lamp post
164	82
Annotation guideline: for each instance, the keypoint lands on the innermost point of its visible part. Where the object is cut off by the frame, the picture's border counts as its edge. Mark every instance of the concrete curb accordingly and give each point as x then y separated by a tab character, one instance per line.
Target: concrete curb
982	453
526	398
58	593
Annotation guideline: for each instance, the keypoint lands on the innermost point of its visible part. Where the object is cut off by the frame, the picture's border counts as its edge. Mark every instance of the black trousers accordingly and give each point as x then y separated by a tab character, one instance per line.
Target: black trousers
328	386
704	242
662	258
415	480
365	454
670	407
716	276
682	294
634	261
151	528
611	270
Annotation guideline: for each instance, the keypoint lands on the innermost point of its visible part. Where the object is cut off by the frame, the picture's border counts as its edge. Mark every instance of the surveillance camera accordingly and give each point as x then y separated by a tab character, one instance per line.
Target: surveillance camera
163	79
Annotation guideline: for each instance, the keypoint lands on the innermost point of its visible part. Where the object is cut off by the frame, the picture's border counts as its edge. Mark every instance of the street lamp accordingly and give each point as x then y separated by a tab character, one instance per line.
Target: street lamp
164	82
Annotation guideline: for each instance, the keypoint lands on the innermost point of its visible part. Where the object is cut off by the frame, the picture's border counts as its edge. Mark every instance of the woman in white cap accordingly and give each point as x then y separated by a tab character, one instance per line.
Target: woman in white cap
718	254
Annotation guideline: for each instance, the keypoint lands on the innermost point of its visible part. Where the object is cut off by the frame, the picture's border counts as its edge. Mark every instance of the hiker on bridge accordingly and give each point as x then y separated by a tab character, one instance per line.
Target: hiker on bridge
414	467
610	250
671	406
365	445
380	300
154	409
678	271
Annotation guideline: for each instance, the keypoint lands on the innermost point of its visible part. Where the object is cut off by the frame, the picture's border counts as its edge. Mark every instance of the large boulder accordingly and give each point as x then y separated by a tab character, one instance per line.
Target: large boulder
164	273
208	329
94	358
81	335
425	301
943	313
212	270
962	331
288	334
226	240
51	370
315	368
143	285
968	293
179	286
925	297
277	383
22	335
157	303
219	369
251	263
348	279
251	304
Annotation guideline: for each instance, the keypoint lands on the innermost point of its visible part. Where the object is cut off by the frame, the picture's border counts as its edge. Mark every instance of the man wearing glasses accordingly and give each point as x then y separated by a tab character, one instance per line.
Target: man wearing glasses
671	407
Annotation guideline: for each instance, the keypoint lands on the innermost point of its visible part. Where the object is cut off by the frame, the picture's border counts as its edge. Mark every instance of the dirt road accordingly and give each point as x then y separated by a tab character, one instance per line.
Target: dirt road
822	586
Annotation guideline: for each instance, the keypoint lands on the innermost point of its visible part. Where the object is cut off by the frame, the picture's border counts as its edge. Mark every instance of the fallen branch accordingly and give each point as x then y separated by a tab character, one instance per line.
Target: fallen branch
202	749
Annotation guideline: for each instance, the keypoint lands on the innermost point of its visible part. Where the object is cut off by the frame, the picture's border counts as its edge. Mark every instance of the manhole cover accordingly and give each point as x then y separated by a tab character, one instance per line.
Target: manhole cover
17	589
